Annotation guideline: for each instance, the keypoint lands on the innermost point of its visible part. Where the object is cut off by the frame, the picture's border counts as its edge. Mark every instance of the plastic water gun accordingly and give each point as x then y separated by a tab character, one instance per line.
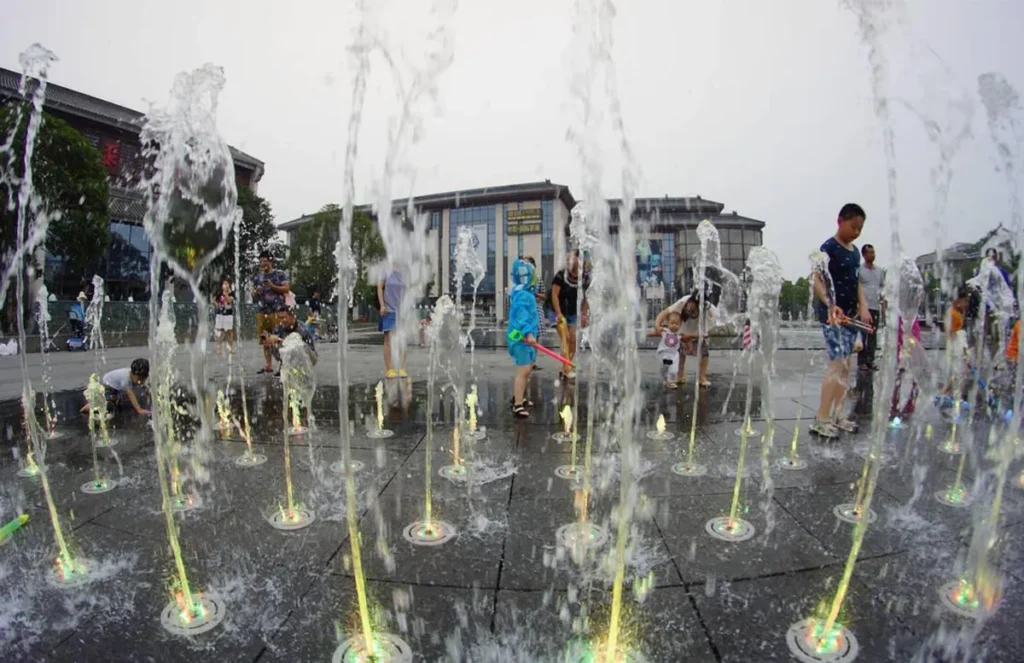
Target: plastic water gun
847	321
10	528
515	336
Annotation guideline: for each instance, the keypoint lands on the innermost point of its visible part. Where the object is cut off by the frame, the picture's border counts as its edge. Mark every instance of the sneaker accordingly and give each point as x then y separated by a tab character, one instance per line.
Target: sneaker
571	375
824	429
846	425
402	373
671	385
391	373
519	411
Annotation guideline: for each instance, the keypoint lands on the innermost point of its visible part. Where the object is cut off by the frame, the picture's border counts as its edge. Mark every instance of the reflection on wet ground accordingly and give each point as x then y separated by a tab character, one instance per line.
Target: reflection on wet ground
503	587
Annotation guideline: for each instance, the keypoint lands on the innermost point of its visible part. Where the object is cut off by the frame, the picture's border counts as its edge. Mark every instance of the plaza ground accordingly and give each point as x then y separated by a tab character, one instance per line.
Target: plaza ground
504	589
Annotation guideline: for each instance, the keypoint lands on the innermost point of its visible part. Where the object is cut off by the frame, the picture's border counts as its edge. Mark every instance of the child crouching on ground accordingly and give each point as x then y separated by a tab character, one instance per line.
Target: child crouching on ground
523	326
668	348
290	325
119	384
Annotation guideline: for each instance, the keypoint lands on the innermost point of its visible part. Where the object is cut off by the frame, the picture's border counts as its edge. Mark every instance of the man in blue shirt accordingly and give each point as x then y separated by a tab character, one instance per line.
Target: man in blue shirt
839	298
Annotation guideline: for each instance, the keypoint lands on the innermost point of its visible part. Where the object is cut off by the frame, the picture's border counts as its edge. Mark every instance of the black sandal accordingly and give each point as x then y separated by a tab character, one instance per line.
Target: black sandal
264	370
519	411
526	402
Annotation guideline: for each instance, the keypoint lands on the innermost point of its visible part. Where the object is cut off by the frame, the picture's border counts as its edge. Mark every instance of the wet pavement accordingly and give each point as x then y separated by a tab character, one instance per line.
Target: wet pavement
503	589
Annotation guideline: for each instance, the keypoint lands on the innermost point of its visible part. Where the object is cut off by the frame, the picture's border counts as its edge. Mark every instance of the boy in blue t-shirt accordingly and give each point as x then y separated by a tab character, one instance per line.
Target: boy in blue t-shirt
523	325
838	298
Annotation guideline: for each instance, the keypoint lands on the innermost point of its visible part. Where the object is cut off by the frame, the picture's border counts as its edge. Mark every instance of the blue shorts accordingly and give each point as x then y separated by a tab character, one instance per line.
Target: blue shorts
839	341
570	318
387	322
523	354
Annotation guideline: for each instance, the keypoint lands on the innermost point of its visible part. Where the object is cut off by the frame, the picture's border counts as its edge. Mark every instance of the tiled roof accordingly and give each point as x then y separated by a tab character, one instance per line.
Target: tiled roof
125	205
73	102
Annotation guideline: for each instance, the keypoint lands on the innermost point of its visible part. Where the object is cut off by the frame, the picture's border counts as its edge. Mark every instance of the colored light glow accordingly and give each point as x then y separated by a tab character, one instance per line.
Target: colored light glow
965	596
956	494
378	394
822	642
378	654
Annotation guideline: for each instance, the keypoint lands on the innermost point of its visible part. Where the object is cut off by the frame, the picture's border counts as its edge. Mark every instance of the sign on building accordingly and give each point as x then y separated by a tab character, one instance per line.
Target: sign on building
524	221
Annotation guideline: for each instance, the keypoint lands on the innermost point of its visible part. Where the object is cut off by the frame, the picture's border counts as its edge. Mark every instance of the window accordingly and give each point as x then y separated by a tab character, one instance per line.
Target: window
474	217
435	220
752	237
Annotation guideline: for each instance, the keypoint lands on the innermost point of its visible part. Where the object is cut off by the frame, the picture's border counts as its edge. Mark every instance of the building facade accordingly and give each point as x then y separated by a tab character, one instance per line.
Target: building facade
114	131
533	220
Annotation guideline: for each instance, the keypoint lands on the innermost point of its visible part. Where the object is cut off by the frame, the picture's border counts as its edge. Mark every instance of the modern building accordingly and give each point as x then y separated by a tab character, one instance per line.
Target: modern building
533	220
114	131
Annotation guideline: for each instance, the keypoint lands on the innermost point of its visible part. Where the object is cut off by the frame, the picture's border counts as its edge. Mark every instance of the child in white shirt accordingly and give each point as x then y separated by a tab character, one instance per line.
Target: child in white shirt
668	348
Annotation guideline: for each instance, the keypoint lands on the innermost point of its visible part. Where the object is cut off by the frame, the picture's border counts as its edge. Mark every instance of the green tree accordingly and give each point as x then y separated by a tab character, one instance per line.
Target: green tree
257	232
367	248
793	298
311	260
68	178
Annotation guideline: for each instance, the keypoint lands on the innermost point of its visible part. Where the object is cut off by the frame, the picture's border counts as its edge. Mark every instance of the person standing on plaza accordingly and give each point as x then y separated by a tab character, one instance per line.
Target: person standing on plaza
224	320
270	286
871	278
523	327
568	285
390	290
837	301
688	308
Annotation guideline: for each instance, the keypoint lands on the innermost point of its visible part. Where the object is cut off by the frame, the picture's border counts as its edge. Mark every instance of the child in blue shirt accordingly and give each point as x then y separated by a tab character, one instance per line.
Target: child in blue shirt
523	325
837	301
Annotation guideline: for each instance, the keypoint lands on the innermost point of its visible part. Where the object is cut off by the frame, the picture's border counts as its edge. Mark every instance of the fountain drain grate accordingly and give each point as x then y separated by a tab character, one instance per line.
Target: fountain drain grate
848	513
569	472
421	533
97	487
338	467
561	436
949	497
690	469
454	473
572	535
800	640
84	571
791	464
733	530
379	434
299	517
390	649
662	435
948	594
211	614
186	502
250	460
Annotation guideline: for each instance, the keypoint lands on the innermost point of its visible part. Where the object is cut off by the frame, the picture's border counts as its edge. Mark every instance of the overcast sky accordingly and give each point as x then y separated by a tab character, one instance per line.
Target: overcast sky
763	106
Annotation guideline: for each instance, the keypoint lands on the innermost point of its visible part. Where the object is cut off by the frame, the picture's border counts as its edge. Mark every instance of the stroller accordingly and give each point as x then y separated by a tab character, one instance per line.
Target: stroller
78	339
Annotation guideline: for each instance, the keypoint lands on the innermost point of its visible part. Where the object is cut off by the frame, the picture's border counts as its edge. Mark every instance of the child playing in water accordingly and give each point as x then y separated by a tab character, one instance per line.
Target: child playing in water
120	382
895	410
523	326
289	325
668	348
956	342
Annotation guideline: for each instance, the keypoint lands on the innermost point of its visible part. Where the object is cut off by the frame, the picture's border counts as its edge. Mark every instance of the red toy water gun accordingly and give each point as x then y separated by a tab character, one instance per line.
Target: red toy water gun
515	336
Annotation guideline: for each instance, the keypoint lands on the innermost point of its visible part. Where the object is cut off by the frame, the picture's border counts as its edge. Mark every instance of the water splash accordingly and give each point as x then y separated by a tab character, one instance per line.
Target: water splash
192	206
